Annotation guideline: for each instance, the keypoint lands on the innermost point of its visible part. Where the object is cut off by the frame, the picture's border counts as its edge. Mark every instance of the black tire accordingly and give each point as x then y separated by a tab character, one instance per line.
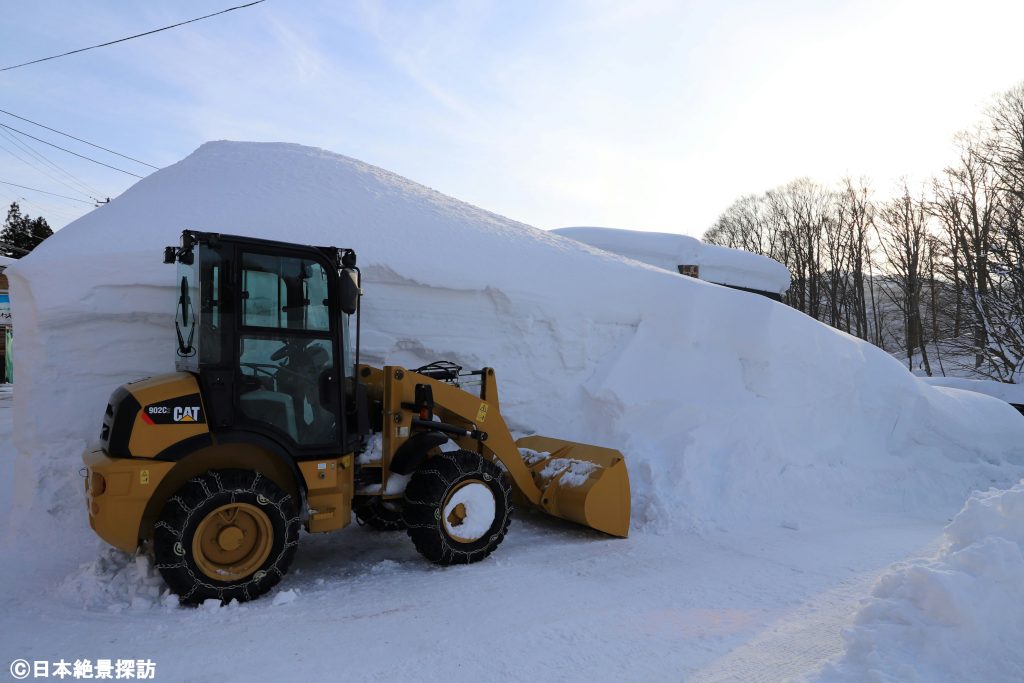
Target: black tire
261	511
433	486
382	515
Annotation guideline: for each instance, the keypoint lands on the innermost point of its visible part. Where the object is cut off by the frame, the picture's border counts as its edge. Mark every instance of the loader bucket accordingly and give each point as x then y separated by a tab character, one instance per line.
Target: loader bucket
585	484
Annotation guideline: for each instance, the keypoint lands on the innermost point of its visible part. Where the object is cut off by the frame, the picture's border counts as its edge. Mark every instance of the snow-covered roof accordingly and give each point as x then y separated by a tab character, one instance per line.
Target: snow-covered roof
1011	393
6	261
718	264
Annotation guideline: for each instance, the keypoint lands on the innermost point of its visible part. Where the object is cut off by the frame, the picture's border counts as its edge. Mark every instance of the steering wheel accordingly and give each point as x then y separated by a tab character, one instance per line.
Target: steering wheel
292	348
280	353
264	368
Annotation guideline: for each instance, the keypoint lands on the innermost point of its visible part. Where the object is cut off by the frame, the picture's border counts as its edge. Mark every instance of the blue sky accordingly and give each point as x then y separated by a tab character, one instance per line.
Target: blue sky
650	115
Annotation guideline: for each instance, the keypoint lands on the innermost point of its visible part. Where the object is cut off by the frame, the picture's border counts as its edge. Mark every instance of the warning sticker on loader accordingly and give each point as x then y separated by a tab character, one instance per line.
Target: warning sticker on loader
481	414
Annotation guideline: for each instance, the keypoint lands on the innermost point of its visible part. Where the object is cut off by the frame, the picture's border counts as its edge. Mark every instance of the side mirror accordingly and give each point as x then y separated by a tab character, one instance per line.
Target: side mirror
349	291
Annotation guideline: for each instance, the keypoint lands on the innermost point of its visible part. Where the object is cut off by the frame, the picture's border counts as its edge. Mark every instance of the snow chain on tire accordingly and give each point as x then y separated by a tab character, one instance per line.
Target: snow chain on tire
425	496
174	533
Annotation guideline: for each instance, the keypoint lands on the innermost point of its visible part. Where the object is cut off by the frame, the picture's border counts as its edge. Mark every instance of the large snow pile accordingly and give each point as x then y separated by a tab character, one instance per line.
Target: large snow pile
1011	393
729	407
668	251
955	617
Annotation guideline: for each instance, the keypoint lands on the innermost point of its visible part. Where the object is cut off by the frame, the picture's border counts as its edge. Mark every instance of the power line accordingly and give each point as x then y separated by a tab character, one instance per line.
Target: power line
53	194
82	187
139	35
48	212
86	189
68	135
81	156
61	214
41	170
47	206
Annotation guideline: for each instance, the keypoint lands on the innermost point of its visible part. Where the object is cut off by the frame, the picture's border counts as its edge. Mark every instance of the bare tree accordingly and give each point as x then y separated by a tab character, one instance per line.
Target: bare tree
820	235
949	266
1004	353
802	209
854	217
1004	153
967	203
1005	140
903	237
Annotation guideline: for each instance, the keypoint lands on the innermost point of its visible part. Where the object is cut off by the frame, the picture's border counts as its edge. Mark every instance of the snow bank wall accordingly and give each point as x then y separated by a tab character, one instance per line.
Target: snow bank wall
728	406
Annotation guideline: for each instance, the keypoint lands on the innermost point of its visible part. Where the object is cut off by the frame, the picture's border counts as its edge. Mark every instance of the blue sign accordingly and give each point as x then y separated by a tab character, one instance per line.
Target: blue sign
5	309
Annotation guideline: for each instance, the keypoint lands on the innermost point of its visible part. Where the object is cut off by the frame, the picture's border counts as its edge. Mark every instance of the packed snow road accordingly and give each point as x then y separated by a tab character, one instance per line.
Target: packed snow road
555	602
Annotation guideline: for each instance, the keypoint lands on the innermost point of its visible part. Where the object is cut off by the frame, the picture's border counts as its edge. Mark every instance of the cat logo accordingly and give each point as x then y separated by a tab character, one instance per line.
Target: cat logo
186	413
179	410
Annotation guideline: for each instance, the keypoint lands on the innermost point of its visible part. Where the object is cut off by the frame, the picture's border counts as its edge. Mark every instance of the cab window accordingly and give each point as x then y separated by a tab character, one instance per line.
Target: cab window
284	293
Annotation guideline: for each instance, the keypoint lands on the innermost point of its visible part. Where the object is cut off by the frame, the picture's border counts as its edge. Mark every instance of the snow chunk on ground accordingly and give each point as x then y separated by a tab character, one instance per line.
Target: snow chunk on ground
954	617
285	597
116	581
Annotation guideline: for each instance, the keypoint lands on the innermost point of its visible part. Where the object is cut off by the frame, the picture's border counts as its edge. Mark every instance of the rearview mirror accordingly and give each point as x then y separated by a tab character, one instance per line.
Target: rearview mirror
349	291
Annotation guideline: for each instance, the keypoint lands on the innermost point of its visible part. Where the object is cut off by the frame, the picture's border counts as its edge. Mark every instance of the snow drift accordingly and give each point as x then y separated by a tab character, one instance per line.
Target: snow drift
954	617
719	264
1011	393
728	406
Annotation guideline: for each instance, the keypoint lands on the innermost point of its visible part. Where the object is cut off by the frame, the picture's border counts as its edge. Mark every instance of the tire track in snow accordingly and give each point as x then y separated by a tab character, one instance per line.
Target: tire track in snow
797	645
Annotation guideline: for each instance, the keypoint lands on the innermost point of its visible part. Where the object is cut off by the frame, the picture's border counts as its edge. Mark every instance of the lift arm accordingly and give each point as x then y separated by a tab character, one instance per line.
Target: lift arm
583	483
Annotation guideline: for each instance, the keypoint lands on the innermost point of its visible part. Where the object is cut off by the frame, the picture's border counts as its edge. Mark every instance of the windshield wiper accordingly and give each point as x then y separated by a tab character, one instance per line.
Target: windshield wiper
185	302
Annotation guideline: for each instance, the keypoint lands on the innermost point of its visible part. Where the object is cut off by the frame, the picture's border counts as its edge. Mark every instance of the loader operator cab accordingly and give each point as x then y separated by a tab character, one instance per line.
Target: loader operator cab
266	326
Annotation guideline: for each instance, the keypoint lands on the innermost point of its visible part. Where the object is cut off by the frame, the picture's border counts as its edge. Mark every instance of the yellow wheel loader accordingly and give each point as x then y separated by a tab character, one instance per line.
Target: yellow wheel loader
271	423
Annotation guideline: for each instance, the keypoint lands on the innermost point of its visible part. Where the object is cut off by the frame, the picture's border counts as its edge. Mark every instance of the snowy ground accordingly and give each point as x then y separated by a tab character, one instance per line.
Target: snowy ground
554	603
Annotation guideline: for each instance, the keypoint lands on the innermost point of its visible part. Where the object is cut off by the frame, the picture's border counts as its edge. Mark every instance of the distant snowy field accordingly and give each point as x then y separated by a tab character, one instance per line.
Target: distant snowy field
778	466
